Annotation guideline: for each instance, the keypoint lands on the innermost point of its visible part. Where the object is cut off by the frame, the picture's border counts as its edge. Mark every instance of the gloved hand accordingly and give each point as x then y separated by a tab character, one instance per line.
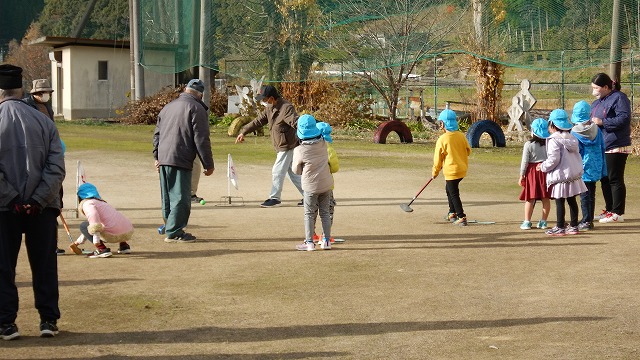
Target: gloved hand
32	208
15	206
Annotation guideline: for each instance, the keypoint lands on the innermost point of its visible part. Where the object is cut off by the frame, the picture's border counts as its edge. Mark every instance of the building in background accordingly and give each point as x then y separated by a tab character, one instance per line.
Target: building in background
92	78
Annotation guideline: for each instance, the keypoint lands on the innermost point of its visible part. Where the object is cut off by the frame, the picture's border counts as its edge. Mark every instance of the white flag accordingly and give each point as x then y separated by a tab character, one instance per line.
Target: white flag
81	178
231	172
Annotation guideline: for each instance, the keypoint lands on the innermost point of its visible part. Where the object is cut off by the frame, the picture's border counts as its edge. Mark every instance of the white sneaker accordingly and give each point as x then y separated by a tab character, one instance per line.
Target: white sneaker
325	244
612	218
602	215
306	246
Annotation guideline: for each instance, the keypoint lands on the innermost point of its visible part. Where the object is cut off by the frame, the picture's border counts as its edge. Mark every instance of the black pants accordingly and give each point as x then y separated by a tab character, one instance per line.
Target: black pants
40	240
453	195
588	202
614	189
573	211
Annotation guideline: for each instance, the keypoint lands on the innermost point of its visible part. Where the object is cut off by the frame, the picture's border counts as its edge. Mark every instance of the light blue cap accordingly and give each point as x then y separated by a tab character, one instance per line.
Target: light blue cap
307	127
581	112
448	117
325	130
560	119
540	128
88	191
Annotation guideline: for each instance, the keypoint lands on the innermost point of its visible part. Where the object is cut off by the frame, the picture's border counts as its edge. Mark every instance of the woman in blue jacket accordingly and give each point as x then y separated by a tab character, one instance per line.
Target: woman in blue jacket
612	113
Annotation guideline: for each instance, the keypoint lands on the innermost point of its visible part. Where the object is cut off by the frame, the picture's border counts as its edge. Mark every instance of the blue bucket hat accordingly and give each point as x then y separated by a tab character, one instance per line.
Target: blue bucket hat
88	191
560	119
307	128
540	128
448	117
325	130
581	112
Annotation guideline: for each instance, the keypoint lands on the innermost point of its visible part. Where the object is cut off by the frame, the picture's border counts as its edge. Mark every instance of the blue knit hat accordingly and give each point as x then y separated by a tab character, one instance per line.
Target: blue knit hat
560	119
325	130
88	191
581	112
540	128
448	117
307	127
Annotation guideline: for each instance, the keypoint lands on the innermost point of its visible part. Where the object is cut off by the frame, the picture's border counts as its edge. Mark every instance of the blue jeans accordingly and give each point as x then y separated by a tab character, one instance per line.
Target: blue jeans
312	204
588	202
281	168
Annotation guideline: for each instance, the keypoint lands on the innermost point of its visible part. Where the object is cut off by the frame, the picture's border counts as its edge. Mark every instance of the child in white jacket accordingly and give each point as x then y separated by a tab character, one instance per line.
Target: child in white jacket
104	224
311	160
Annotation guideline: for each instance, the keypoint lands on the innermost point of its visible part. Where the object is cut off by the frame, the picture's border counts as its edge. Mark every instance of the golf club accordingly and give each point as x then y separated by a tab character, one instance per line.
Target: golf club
407	207
66	227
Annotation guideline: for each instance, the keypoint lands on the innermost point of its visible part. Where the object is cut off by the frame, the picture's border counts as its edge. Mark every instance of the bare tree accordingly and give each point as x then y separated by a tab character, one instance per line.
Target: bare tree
384	43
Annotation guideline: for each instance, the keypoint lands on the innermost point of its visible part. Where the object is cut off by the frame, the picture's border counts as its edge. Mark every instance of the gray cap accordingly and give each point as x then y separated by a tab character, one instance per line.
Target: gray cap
197	85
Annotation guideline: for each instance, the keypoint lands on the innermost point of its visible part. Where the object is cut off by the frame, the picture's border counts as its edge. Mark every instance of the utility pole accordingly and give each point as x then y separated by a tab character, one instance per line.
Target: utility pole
615	54
132	59
203	72
135	43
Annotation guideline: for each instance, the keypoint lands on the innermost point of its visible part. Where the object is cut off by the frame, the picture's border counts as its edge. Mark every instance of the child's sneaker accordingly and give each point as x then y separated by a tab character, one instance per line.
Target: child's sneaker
306	246
612	218
101	253
9	331
316	238
542	224
555	231
572	230
526	225
585	226
325	244
451	217
461	221
124	249
75	248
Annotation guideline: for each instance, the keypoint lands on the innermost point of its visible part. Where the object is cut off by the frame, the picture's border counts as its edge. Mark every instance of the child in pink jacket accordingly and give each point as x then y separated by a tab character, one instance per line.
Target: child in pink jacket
104	224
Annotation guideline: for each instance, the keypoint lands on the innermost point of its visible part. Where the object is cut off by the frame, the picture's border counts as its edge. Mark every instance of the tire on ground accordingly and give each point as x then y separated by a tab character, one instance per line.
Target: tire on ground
400	128
485	126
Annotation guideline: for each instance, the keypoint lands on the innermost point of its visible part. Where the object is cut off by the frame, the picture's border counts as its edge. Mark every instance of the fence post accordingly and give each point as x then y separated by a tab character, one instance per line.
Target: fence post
633	80
435	85
562	81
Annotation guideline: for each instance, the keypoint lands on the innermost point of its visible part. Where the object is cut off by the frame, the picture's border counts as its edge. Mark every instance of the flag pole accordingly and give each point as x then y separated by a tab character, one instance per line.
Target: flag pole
229	177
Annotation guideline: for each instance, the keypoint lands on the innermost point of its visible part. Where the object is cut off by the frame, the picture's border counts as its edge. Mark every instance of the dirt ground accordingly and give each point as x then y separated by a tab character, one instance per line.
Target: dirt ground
402	286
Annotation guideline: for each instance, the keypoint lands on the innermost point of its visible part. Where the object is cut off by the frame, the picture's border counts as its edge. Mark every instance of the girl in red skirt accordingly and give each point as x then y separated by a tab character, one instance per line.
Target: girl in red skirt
533	182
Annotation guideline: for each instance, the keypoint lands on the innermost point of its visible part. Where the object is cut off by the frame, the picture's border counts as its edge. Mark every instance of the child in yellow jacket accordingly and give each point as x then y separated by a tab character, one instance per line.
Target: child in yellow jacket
334	166
452	157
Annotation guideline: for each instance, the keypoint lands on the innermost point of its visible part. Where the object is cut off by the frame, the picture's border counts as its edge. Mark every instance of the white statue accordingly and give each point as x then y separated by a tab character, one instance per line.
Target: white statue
521	104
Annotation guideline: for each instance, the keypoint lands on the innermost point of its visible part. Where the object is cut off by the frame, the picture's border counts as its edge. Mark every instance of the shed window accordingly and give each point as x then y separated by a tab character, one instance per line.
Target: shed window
103	70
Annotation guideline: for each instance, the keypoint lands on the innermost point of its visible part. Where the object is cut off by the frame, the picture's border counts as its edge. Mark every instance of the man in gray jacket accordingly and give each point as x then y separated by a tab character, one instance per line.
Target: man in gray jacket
281	117
182	133
31	175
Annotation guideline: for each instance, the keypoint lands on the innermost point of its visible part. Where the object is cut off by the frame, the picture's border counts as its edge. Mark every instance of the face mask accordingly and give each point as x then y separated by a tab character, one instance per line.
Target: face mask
45	97
264	103
596	93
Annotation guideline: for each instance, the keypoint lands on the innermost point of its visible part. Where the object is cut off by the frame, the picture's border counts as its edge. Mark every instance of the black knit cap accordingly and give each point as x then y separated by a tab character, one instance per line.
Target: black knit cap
10	77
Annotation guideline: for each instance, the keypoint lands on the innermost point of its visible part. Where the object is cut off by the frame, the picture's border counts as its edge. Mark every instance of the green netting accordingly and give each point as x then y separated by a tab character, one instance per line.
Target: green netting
292	40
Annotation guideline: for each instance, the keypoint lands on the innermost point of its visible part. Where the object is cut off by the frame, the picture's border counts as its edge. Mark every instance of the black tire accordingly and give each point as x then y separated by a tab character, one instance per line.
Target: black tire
485	126
400	128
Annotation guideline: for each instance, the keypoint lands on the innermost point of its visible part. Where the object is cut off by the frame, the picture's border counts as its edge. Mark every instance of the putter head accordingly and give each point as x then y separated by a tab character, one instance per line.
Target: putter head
406	207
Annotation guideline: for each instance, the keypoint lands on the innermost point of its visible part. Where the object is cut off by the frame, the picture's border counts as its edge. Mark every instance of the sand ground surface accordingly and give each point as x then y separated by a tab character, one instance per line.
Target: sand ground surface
402	286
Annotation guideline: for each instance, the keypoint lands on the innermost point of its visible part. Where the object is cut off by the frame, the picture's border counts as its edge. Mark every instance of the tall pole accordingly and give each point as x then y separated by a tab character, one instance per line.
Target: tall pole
132	59
135	41
204	72
615	54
